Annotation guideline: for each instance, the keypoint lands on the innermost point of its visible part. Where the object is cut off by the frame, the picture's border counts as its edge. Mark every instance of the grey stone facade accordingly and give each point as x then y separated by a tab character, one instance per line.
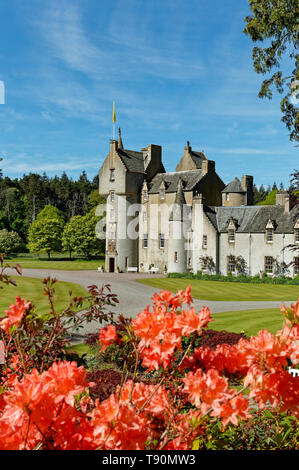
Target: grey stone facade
188	220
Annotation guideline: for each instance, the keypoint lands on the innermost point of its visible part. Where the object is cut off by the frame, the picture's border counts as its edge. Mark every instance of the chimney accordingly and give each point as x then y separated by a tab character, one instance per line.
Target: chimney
247	186
152	156
207	166
283	199
113	146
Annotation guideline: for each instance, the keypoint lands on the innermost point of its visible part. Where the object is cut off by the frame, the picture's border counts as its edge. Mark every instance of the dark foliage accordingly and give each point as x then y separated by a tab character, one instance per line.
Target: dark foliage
211	338
106	381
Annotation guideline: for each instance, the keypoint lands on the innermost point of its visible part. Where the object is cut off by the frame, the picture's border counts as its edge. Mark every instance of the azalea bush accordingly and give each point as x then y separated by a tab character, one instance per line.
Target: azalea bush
191	390
31	339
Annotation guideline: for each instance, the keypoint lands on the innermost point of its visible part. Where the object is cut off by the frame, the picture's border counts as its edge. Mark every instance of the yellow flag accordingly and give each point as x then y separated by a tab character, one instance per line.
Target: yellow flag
113	116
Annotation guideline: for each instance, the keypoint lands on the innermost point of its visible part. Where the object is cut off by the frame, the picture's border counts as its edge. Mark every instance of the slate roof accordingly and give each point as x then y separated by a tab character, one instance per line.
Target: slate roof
234	187
198	157
189	180
177	212
252	219
133	161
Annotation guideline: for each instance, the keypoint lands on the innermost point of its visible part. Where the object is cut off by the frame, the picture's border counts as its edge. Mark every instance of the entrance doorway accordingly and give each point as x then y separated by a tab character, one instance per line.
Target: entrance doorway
111	265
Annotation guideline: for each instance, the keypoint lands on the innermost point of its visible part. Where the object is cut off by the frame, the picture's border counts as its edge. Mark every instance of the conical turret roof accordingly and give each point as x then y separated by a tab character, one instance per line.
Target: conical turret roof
177	212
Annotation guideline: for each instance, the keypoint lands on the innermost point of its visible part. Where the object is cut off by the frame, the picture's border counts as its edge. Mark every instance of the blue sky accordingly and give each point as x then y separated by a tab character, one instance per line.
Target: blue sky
178	70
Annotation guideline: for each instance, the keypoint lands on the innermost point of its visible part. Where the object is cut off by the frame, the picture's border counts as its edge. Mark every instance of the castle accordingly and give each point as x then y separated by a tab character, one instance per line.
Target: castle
189	220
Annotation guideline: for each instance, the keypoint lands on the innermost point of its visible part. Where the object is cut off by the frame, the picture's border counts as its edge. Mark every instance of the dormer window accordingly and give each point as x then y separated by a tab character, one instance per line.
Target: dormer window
162	194
112	196
231	236
269	235
145	195
231	230
269	231
112	175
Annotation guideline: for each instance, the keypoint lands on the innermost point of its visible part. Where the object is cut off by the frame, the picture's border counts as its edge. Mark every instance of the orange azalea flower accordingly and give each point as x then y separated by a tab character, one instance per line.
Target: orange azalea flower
64	380
205	390
15	314
236	408
108	336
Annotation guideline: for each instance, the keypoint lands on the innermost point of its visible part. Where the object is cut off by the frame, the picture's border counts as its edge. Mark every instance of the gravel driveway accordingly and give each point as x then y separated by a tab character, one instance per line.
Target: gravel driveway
132	295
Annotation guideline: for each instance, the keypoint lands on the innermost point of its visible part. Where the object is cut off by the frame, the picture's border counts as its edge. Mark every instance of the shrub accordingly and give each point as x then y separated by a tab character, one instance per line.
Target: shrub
191	404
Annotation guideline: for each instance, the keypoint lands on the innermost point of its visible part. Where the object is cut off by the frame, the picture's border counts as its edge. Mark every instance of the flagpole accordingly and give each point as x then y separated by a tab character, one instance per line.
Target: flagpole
113	119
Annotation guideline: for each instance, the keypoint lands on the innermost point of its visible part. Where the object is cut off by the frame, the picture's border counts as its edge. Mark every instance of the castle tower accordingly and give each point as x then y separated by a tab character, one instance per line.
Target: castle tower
177	253
238	193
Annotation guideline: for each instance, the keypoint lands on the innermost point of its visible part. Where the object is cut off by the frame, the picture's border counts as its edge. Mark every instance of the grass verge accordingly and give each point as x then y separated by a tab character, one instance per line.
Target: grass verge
75	265
32	289
249	322
227	291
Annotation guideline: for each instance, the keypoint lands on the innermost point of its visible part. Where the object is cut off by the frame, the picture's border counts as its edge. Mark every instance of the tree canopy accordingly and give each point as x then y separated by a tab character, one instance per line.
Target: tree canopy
275	24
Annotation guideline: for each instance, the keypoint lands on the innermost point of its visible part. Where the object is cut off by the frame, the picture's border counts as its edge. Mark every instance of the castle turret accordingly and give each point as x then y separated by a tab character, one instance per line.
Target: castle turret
238	193
177	253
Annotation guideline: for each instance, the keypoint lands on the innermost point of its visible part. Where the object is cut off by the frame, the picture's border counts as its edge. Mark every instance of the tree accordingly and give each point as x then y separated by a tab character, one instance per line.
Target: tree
45	235
51	212
275	24
208	264
241	265
269	200
80	235
10	242
71	234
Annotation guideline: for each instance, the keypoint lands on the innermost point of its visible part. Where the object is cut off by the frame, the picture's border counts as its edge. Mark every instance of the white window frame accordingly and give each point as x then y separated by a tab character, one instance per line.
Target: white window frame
269	265
269	235
231	235
231	261
145	240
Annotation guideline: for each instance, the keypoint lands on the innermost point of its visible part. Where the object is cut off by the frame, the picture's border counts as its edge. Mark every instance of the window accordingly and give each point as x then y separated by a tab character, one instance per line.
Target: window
269	235
162	194
175	256
204	241
296	265
112	232
112	196
161	240
231	264
144	216
227	196
204	264
126	261
145	195
112	175
112	214
231	236
144	241
296	235
269	264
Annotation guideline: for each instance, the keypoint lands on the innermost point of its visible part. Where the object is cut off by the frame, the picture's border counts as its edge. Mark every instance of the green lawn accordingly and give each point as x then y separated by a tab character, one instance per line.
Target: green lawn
248	321
75	265
230	291
32	289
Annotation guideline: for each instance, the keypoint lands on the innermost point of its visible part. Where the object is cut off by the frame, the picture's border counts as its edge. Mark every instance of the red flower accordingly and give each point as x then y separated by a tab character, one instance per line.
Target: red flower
15	314
206	390
108	336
